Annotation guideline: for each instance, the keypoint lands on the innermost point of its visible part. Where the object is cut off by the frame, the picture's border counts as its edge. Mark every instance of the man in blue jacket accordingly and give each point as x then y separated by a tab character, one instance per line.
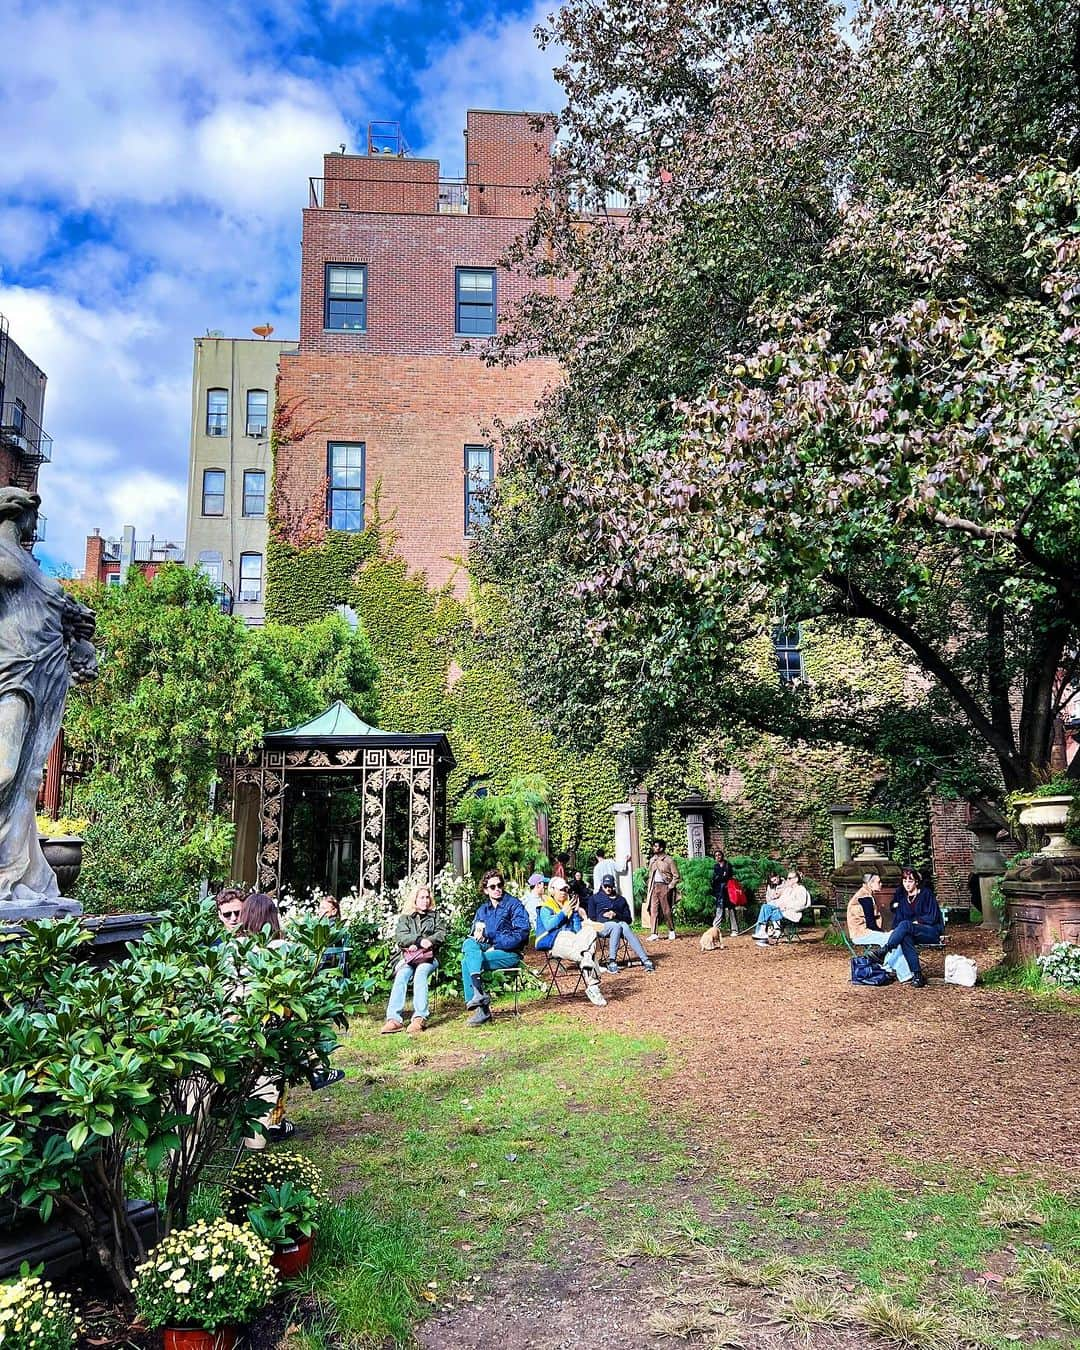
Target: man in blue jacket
917	917
500	931
609	910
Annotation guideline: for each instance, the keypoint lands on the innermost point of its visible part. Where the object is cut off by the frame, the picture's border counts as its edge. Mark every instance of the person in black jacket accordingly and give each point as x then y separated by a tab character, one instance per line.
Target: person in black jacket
723	872
607	908
917	918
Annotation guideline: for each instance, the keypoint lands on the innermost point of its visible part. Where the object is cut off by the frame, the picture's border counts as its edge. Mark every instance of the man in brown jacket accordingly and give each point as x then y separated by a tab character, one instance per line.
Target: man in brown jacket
660	889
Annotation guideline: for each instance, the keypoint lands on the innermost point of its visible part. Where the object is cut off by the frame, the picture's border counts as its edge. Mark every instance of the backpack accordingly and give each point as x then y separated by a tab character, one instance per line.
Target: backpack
866	971
735	893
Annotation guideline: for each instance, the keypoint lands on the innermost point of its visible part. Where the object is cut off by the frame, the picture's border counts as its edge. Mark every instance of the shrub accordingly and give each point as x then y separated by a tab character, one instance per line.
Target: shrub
209	1275
33	1316
283	1214
753	870
695	902
1062	965
150	1065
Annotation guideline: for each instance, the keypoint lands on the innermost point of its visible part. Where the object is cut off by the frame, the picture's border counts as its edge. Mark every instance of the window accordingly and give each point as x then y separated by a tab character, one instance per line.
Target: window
250	578
217	412
475	301
479	471
210	563
346	297
213	492
258	404
18	415
112	579
786	644
254	492
346	472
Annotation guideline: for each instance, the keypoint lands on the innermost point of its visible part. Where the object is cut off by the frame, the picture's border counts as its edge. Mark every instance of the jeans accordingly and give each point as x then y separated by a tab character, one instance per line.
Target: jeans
615	932
895	960
476	959
395	1009
726	907
767	914
905	935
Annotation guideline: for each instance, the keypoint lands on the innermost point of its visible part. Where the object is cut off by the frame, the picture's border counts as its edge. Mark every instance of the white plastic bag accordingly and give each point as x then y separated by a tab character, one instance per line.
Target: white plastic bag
961	970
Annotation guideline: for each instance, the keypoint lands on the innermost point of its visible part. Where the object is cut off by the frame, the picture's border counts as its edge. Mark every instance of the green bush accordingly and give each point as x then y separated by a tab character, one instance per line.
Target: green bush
695	904
753	870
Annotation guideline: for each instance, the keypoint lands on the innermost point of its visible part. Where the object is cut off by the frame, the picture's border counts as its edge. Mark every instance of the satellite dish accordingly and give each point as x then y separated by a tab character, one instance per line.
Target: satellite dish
264	330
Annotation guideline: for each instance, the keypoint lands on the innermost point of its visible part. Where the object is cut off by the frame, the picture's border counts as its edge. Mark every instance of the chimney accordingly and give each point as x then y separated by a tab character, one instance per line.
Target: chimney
95	550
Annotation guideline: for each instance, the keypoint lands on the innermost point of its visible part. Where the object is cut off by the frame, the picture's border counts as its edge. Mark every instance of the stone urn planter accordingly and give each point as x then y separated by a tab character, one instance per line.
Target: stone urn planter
63	853
1042	893
869	842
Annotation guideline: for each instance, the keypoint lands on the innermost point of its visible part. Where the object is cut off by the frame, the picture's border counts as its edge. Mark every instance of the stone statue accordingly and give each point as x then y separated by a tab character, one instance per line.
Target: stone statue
45	642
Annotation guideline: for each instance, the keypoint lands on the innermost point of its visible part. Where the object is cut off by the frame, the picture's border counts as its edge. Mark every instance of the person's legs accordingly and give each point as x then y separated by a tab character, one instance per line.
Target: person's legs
634	941
612	931
663	905
420	989
766	914
472	963
395	1009
926	933
901	933
896	961
494	959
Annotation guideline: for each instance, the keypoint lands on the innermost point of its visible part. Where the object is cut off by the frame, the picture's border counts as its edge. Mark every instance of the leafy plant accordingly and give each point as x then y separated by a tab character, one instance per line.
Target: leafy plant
504	827
1062	964
695	902
209	1275
66	825
35	1316
156	1060
259	1169
283	1212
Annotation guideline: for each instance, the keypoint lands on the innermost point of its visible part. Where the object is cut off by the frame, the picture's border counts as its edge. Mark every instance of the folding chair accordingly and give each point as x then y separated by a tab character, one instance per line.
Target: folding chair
557	970
512	979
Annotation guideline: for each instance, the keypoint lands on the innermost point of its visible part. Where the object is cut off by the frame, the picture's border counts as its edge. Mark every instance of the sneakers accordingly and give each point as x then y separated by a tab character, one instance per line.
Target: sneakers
918	980
671	936
593	994
324	1078
417	1024
613	968
760	942
479	1017
651	938
648	968
391	1025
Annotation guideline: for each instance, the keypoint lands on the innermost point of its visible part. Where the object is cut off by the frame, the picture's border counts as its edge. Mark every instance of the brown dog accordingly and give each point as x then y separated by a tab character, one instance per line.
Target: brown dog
711	941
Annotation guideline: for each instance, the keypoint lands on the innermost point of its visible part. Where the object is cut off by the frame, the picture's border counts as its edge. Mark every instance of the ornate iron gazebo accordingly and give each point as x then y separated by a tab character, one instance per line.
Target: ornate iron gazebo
394	779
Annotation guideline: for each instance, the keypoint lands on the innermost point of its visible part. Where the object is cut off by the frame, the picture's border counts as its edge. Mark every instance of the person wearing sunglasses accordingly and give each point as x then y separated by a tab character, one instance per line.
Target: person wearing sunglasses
499	933
229	902
610	912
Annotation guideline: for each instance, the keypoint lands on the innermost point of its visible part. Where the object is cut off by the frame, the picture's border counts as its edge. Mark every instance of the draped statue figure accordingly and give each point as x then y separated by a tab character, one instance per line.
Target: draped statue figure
45	642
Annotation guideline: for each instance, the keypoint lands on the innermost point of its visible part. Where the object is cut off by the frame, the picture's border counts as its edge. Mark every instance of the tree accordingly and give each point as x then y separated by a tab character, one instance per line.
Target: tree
824	366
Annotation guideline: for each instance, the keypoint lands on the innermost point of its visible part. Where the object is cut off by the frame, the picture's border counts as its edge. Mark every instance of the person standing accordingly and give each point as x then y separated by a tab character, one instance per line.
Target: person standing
723	872
605	867
611	913
660	889
500	931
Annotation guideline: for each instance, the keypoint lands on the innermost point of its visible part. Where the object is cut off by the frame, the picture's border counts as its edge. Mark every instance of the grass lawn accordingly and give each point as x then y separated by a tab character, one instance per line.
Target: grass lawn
453	1153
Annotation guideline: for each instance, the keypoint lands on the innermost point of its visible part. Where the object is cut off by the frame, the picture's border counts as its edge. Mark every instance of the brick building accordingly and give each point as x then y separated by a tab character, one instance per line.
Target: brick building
24	444
109	560
400	289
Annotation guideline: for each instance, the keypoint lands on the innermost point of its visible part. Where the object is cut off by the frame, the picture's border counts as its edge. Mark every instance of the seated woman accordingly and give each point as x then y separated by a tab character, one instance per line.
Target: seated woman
559	930
918	918
419	934
864	930
791	903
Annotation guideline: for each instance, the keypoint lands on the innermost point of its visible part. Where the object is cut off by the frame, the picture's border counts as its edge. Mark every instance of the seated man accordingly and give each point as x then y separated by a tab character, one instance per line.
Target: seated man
864	930
500	932
560	931
610	912
918	918
792	902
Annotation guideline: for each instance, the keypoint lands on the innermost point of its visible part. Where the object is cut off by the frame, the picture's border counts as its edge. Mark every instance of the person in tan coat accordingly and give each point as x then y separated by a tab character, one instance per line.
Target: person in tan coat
660	889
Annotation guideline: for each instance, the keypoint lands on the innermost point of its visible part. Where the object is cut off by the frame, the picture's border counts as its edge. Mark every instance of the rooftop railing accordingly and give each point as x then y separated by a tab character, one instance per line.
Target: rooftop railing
448	197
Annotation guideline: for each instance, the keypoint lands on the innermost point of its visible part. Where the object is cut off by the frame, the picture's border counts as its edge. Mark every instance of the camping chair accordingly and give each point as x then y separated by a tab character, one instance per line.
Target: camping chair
514	980
337	957
558	972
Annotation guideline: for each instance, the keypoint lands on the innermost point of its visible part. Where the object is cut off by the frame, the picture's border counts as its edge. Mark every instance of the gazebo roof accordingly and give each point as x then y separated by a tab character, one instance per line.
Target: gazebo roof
339	728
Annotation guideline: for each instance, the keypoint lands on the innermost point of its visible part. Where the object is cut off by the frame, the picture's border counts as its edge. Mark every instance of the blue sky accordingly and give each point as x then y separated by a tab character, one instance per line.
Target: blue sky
155	165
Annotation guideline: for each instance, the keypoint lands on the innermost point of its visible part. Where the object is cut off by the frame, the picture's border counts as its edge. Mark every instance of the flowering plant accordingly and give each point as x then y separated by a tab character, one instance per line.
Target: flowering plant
33	1316
1062	964
257	1170
209	1275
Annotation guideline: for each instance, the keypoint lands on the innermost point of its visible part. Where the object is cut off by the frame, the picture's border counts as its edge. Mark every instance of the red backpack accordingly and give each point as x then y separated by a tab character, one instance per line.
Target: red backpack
735	892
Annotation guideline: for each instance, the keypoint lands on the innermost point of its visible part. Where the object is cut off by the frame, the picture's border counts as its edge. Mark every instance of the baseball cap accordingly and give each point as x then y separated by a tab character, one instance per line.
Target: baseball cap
607	881
537	878
559	884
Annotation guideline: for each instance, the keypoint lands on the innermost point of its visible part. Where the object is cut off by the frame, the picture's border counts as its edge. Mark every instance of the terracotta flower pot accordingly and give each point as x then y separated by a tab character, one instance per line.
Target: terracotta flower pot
291	1260
196	1338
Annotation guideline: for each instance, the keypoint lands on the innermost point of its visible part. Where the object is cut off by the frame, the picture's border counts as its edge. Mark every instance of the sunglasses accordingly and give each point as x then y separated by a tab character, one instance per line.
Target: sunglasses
494	886
229	913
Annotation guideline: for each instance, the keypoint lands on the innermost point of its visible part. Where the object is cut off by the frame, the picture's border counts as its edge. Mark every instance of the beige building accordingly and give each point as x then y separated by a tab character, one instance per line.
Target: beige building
229	469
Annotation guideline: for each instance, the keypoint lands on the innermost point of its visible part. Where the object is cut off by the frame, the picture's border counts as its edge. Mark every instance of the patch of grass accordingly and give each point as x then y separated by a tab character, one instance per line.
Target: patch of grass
644	1240
804	1307
771	1273
1027	978
908	1328
1010	1209
1052	1279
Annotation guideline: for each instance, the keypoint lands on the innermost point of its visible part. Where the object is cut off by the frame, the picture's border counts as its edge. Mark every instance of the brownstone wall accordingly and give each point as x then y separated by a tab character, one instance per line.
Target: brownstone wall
414	415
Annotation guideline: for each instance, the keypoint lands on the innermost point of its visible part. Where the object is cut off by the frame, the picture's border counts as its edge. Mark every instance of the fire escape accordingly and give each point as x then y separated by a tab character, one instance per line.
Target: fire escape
27	442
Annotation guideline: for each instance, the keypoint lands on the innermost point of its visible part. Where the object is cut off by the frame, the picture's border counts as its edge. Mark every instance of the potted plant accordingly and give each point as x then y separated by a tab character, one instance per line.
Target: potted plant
285	1220
62	843
201	1283
33	1316
258	1169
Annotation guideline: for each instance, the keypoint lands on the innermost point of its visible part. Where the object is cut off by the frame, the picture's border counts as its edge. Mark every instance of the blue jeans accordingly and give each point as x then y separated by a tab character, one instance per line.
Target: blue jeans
895	960
395	1009
905	936
767	914
615	932
476	959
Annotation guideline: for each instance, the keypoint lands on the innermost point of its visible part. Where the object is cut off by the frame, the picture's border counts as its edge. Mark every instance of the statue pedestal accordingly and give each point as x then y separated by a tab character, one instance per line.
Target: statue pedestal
1042	905
112	933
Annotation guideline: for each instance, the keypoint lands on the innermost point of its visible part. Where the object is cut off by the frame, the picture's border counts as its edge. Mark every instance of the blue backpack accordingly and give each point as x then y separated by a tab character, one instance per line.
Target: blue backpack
864	970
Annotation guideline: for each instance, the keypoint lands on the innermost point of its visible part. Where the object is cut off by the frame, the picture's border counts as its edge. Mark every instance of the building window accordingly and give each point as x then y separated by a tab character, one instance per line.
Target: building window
250	578
258	405
217	412
787	648
346	297
475	301
18	416
254	492
346	473
210	564
112	579
479	472
213	492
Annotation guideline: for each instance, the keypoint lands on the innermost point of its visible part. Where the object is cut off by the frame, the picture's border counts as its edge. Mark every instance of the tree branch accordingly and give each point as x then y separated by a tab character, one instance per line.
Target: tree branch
1067	578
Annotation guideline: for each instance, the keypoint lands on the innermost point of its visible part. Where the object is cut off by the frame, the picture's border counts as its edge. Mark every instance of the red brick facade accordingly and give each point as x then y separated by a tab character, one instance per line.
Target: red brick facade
406	387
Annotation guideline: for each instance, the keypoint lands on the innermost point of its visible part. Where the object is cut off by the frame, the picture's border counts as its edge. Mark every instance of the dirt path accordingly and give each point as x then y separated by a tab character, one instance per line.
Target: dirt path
799	1074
